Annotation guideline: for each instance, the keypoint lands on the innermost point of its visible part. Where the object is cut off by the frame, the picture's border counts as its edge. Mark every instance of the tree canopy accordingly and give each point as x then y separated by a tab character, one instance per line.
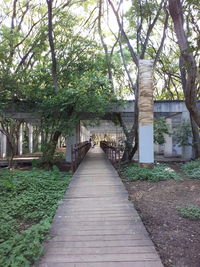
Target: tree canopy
65	58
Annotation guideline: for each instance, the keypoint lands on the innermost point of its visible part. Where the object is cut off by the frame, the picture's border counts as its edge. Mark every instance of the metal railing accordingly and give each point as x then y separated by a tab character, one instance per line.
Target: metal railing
112	152
78	152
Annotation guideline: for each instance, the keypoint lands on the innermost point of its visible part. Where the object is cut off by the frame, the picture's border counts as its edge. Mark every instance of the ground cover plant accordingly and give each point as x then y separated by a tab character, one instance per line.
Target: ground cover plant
190	212
192	169
28	201
158	172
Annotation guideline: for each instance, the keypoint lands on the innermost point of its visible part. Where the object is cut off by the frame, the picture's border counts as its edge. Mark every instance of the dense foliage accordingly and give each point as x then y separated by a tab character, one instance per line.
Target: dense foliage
190	212
182	133
158	172
28	201
192	169
160	129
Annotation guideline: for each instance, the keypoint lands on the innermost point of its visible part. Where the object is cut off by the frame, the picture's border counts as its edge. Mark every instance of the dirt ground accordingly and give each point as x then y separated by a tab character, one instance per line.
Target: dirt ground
177	239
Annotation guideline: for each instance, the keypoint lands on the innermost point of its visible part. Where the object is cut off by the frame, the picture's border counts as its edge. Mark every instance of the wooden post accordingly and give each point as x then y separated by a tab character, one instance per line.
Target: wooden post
145	105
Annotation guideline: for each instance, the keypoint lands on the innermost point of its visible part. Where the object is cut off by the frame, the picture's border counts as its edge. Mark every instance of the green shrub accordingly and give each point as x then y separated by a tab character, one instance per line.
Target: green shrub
28	201
191	212
192	169
158	172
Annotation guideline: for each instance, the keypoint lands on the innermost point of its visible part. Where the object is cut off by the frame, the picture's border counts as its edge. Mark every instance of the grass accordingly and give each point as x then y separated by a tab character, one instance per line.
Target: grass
190	212
158	172
28	201
192	169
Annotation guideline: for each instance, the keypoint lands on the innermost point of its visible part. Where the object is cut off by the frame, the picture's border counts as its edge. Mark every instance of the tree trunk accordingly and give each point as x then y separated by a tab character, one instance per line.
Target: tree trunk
49	150
196	138
13	151
52	47
189	64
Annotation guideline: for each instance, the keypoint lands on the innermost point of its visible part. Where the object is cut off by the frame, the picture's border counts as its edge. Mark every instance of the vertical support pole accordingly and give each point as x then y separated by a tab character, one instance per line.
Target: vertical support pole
20	141
145	105
30	138
39	141
78	132
3	144
186	150
168	148
70	140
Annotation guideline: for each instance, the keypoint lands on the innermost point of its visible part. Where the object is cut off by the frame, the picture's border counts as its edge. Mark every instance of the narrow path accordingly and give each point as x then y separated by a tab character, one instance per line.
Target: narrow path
96	225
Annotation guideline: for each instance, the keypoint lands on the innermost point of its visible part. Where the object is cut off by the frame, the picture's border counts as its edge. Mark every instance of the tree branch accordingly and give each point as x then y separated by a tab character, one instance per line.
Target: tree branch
52	48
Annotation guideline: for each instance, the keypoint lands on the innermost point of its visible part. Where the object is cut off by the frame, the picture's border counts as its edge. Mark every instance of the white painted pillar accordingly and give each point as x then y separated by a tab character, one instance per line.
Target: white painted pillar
187	150
70	140
30	138
74	138
20	141
145	106
168	146
3	144
156	148
39	141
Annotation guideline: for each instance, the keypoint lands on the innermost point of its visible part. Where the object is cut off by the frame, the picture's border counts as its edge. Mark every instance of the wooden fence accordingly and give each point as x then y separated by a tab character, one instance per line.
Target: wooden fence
78	152
112	152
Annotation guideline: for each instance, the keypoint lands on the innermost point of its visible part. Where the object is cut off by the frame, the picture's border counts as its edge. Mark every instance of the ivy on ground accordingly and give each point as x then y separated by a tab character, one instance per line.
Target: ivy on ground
192	169
158	172
191	212
28	201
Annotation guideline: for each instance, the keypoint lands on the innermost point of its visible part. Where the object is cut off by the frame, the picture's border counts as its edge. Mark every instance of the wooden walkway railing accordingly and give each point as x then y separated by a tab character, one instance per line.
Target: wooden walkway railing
78	152
112	152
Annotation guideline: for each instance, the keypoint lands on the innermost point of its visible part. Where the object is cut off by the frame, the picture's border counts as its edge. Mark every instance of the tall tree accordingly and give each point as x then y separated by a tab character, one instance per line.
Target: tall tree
52	46
188	70
146	16
187	60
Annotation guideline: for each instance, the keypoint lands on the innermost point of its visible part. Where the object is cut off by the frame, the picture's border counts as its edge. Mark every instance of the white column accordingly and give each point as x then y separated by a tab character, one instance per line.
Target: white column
168	146
74	138
70	140
84	133
39	141
145	106
30	138
20	141
187	150
156	148
3	144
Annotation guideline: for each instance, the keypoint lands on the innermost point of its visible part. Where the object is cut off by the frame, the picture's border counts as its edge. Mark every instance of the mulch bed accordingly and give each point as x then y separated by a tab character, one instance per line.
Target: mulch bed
177	239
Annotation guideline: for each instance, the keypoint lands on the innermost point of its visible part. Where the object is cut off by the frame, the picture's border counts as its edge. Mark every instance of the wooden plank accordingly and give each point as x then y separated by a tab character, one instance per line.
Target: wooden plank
96	225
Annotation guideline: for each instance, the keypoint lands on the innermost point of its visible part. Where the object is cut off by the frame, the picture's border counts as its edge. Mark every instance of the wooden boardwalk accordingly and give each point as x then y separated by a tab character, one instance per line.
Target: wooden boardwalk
96	225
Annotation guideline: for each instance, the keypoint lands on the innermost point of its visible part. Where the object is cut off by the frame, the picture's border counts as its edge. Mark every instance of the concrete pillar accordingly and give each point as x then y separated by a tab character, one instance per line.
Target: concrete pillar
187	150
39	141
78	130
145	106
84	133
156	148
20	141
70	140
3	144
30	138
74	138
168	146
